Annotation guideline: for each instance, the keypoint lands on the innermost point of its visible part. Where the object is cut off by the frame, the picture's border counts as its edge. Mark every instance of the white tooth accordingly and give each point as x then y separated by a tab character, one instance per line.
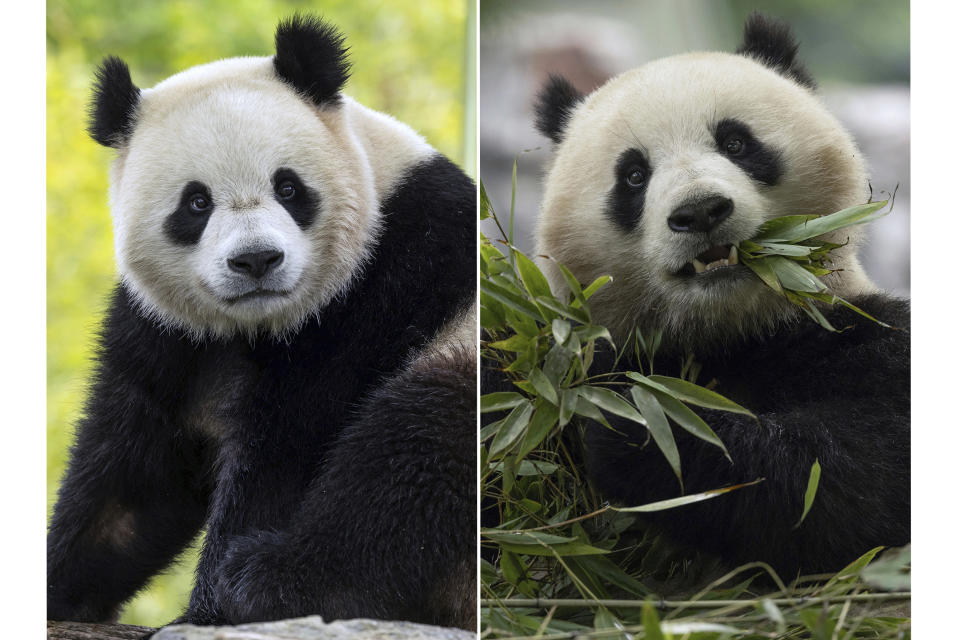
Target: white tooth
698	266
733	258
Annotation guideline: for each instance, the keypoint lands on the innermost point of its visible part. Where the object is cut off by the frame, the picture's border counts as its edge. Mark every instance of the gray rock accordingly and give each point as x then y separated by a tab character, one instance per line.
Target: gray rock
314	628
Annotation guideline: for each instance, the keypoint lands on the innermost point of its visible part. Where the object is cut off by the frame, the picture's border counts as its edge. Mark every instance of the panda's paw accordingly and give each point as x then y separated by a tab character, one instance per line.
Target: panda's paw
258	579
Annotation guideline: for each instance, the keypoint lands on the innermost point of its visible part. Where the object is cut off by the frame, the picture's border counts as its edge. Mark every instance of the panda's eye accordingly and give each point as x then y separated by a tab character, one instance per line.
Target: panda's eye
733	145
199	203
286	190
636	176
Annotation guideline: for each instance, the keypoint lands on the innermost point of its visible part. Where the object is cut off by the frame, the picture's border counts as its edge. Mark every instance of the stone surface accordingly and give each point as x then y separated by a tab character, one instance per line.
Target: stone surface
314	628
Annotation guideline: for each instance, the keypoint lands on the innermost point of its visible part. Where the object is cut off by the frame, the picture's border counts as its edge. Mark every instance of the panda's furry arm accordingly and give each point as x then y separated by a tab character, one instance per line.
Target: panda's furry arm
385	530
134	494
842	399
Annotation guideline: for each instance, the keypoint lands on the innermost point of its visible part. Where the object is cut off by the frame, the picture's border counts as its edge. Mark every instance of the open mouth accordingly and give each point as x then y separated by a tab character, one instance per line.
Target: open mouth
717	257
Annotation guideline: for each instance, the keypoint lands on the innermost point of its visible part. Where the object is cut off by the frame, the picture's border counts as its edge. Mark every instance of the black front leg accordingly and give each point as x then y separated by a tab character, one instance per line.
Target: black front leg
134	493
388	529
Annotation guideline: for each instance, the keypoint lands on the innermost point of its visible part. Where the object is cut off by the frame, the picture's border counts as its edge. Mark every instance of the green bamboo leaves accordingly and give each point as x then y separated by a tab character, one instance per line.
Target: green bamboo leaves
786	256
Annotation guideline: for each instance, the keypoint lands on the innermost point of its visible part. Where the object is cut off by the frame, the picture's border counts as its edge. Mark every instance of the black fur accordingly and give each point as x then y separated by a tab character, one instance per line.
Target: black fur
759	161
113	108
185	226
841	398
289	441
303	206
625	201
771	43
554	106
312	58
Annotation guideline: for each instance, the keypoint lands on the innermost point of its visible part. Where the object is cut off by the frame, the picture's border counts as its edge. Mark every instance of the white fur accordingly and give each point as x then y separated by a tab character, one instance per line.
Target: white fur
668	108
230	125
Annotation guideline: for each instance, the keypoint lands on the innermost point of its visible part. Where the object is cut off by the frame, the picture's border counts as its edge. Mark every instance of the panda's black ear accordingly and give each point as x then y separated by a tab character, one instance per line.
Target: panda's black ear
770	42
554	106
311	57
113	109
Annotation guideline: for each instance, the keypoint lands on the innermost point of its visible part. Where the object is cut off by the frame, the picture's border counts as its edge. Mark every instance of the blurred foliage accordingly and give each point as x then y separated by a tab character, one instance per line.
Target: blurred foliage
861	41
409	60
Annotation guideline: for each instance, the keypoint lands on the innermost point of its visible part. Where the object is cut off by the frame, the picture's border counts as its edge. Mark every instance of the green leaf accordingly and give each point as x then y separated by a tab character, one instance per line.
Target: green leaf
568	549
541	424
515	343
511	428
891	572
695	394
681	414
672	503
852	570
561	330
500	401
565	310
793	276
568	405
763	270
543	386
659	427
595	286
788	250
574	285
485	208
524	537
812	483
510	299
799	229
611	401
651	623
533	278
589	410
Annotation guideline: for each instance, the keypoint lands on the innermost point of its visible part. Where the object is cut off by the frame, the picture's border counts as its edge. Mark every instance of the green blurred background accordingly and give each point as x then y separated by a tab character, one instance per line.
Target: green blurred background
413	60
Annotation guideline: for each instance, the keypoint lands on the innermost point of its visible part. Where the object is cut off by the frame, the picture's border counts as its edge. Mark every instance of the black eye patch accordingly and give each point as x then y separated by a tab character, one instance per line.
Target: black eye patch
186	224
626	199
300	201
737	143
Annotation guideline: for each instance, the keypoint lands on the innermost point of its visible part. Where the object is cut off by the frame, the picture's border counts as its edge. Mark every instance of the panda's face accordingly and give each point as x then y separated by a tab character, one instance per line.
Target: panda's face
664	169
238	206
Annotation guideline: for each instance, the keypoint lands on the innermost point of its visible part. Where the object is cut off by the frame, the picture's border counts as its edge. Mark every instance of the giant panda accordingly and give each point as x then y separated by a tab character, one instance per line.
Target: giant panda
655	177
288	360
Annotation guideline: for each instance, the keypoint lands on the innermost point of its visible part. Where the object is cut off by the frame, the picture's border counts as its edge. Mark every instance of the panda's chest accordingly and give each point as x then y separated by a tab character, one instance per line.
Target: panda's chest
217	392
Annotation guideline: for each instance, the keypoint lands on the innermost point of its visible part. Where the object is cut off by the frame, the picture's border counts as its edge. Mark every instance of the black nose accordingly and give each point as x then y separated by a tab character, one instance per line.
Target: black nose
701	215
256	264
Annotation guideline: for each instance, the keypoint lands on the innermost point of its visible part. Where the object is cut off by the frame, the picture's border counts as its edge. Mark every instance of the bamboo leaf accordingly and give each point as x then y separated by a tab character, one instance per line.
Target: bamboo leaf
659	427
812	483
689	420
651	623
561	330
564	549
533	278
611	401
594	286
500	401
543	386
511	428
568	405
541	424
695	394
798	230
672	503
510	299
793	276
